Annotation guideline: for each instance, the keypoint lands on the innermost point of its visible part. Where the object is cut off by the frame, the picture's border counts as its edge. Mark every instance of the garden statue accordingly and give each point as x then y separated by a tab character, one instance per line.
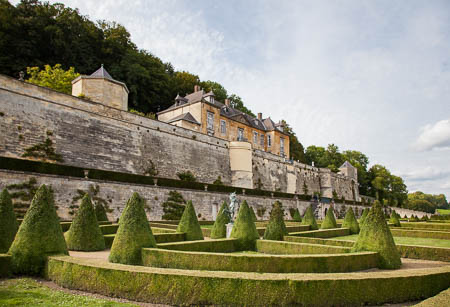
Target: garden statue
234	206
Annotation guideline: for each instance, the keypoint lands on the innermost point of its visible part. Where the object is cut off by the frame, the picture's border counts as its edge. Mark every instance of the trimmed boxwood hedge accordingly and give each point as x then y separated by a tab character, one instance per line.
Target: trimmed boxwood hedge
5	265
8	221
174	287
259	263
433	226
323	233
159	238
420	234
109	229
328	242
293	248
211	246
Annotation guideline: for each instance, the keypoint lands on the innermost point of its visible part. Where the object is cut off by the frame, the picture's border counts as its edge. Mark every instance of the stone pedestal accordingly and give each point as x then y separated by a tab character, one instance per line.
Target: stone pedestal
229	228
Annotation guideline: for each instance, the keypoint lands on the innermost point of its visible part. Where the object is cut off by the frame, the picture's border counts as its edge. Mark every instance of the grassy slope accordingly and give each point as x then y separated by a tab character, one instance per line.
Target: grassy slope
443	211
28	292
408	241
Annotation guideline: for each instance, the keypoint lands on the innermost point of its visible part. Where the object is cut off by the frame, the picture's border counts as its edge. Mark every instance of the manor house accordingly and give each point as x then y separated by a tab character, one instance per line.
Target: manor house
200	111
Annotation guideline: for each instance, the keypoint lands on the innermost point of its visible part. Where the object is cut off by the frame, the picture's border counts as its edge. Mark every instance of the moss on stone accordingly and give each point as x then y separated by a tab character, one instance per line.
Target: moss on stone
189	223
84	234
219	229
244	229
330	221
351	222
395	219
276	229
252	212
133	234
376	236
363	216
309	219
8	221
39	235
297	217
100	212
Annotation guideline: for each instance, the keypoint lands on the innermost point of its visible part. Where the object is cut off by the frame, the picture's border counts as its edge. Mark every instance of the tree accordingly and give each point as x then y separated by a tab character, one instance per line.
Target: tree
173	207
385	186
219	91
361	162
296	150
237	103
53	77
182	83
276	229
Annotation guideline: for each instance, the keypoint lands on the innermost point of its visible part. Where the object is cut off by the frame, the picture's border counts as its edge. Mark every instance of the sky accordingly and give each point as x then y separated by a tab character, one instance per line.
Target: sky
372	76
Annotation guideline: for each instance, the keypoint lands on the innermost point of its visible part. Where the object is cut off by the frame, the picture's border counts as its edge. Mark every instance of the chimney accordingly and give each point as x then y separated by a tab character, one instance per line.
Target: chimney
260	116
196	88
227	102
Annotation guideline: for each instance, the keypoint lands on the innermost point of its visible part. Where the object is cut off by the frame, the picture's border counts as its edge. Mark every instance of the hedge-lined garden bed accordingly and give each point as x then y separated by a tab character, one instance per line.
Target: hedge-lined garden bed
421	234
211	246
244	262
159	238
291	248
429	225
5	265
329	242
109	229
323	233
170	286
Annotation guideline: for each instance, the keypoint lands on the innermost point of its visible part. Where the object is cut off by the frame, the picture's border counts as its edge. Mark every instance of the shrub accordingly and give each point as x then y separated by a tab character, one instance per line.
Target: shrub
276	229
133	234
297	217
84	233
309	219
219	229
363	216
252	212
329	221
218	181
173	207
394	219
189	224
375	236
187	176
351	222
244	229
100	212
39	235
8	221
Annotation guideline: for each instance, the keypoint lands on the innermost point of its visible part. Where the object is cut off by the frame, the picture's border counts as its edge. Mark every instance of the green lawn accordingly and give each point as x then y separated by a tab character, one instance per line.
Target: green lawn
443	211
408	241
28	292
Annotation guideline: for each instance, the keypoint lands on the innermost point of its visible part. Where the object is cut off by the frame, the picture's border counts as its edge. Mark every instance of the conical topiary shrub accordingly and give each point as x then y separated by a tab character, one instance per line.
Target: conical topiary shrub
84	234
39	235
244	229
376	236
252	212
329	221
394	219
133	233
363	216
276	230
297	217
309	219
189	224
8	221
351	222
219	229
100	212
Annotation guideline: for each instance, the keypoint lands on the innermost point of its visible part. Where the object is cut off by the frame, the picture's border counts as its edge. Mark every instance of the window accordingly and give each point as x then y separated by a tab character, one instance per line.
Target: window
255	138
282	147
210	123
269	140
262	140
240	134
223	126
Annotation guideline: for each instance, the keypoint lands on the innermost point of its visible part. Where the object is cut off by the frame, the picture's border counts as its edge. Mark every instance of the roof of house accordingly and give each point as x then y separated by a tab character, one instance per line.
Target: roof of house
185	116
226	111
102	73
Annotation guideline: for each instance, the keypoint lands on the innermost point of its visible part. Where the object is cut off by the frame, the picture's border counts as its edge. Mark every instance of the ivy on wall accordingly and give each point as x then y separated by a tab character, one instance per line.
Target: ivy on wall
44	150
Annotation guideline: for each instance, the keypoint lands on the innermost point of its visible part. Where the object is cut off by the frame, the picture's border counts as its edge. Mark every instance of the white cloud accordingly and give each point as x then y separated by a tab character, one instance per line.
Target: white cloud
435	136
425	174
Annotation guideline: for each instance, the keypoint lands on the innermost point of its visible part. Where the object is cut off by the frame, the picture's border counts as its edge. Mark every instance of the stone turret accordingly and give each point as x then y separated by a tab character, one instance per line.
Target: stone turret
102	88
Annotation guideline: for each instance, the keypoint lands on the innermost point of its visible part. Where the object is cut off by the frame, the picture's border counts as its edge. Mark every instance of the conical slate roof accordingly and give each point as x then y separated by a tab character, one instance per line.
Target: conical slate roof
102	73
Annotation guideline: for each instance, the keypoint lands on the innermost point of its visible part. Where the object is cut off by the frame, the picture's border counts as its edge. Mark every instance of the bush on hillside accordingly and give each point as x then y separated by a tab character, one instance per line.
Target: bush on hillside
309	219
133	234
219	229
276	230
8	222
244	229
351	222
189	224
39	235
376	236
84	233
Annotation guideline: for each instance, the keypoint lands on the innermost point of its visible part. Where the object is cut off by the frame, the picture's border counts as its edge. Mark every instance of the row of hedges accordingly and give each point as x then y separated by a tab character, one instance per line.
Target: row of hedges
441	299
420	234
73	171
211	246
406	251
5	265
164	286
160	238
109	229
290	248
436	226
243	262
323	233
